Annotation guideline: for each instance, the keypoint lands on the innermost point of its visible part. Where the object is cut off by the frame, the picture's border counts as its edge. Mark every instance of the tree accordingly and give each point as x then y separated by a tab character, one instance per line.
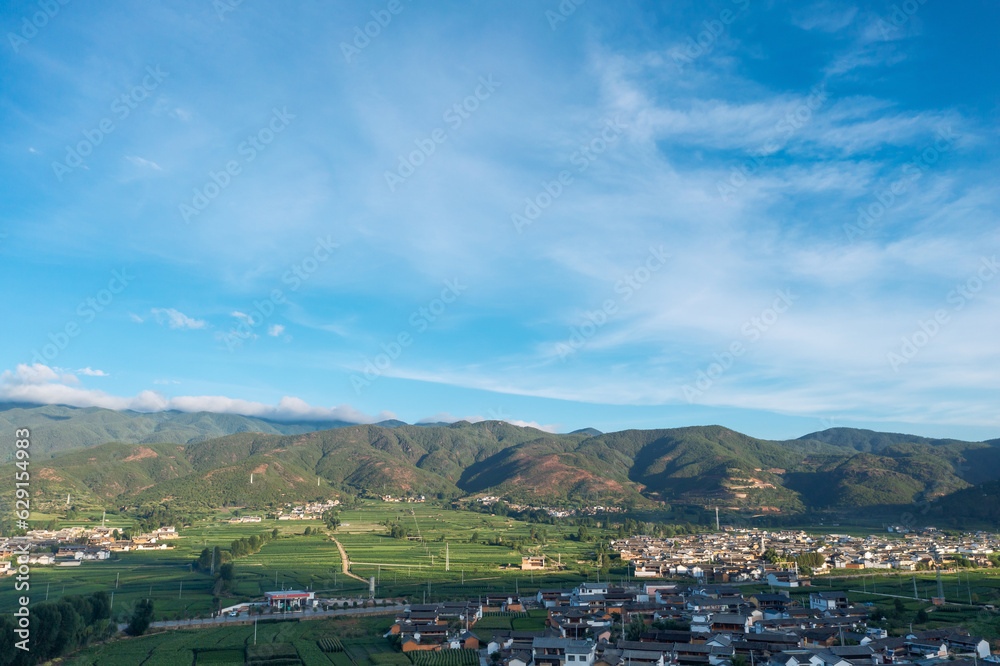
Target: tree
810	560
274	533
101	604
635	628
226	571
921	617
141	617
331	519
70	629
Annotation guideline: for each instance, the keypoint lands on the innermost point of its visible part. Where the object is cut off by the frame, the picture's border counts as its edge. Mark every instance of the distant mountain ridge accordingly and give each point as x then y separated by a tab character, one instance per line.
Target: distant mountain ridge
836	469
59	427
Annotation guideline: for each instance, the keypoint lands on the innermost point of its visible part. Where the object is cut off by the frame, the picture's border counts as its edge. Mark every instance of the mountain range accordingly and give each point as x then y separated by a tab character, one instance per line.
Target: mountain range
103	458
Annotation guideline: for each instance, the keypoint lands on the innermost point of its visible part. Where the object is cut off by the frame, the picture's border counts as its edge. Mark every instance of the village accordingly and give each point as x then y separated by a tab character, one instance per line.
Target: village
659	624
70	546
308	511
490	500
753	555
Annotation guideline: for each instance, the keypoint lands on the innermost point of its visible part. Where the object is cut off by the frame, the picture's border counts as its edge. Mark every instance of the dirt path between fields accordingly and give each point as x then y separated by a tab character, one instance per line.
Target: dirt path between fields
346	562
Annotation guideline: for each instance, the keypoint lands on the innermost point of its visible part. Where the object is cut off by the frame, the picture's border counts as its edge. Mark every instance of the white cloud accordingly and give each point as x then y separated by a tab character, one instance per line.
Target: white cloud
139	161
90	372
275	330
445	417
165	381
41	384
824	17
136	318
176	319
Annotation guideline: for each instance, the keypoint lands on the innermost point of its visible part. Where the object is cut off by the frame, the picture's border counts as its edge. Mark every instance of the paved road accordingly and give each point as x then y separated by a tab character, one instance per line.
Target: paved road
245	619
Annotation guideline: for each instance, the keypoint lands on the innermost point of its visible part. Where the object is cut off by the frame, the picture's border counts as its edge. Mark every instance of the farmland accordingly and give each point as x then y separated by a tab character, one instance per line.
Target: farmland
298	642
402	567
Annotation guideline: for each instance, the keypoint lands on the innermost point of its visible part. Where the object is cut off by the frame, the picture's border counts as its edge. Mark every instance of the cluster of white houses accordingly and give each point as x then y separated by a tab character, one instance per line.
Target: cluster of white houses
555	512
71	546
309	511
596	624
737	555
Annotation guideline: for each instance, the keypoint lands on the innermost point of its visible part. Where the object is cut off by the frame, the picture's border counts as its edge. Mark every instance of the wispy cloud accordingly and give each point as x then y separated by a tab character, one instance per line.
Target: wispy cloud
176	319
142	162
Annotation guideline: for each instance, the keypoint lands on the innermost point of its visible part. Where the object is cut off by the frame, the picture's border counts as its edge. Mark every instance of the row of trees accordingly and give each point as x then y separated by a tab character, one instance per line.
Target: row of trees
57	628
248	546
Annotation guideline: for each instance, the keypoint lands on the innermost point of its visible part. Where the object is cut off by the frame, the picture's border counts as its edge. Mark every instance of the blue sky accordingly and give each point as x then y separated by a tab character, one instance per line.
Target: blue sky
777	217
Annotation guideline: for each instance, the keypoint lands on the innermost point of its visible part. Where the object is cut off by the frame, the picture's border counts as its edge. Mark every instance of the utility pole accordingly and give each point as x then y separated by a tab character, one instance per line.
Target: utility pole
180	592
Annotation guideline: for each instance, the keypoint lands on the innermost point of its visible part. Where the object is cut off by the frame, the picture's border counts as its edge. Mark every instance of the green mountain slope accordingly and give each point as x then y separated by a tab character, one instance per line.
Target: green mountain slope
57	428
705	465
